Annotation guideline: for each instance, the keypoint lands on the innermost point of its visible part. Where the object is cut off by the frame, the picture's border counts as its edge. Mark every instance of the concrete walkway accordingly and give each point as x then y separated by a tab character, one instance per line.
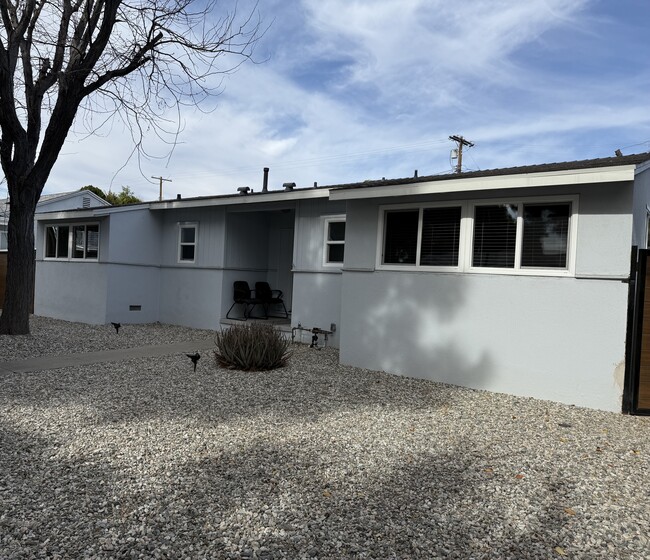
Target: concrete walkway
66	360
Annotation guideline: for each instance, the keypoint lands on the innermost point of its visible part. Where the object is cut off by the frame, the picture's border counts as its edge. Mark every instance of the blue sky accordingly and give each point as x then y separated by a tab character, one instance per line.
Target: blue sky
355	90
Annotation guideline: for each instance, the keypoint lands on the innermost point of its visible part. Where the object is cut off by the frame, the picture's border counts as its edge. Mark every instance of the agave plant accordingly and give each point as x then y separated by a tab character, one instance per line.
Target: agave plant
251	347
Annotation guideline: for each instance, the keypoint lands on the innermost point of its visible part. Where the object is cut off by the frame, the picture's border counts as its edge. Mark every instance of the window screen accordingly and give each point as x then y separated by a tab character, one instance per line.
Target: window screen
440	236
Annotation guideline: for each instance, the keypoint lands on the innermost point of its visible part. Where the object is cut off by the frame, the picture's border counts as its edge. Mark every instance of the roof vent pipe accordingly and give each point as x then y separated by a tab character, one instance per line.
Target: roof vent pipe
265	184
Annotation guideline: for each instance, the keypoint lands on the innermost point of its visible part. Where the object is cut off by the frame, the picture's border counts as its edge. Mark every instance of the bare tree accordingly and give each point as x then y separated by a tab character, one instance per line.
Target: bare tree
96	58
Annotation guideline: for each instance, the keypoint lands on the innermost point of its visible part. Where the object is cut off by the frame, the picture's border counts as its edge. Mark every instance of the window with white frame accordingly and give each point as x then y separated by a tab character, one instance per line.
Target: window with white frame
530	236
334	246
187	238
72	241
522	235
423	236
4	243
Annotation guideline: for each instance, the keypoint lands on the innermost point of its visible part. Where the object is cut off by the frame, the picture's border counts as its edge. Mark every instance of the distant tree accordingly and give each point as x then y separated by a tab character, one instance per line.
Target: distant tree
104	57
125	196
94	190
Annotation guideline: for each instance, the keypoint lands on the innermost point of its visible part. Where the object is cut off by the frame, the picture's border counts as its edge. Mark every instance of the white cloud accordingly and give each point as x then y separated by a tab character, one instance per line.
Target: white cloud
359	89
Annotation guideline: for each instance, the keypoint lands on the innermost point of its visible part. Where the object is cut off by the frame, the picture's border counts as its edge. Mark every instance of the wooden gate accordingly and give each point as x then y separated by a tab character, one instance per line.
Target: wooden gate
637	386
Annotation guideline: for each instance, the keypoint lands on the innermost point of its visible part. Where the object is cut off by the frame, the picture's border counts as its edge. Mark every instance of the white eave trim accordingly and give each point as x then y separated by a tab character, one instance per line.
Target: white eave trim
94	212
524	180
255	198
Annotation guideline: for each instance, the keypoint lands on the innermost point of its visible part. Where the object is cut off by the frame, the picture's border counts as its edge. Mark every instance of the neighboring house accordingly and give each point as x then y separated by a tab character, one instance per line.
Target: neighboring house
47	203
50	203
511	280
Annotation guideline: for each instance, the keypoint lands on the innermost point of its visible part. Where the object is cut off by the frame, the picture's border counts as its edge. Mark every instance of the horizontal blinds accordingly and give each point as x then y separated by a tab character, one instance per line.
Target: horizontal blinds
495	236
440	236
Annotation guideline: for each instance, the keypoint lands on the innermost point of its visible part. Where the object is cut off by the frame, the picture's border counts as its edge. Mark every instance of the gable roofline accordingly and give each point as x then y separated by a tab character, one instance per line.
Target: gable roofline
58	197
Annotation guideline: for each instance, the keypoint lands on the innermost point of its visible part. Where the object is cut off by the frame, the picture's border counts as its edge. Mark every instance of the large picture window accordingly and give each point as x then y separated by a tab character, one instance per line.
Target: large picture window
530	236
78	241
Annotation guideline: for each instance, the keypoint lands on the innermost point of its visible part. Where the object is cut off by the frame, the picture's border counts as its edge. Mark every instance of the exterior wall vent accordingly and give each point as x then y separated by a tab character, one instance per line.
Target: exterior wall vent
135	308
86	202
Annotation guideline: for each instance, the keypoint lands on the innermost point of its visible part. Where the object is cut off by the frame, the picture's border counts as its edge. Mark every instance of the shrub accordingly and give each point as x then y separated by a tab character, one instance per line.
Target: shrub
251	347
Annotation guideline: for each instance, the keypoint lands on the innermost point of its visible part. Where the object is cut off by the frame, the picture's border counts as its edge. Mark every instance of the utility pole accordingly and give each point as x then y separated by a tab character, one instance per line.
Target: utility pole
461	142
161	182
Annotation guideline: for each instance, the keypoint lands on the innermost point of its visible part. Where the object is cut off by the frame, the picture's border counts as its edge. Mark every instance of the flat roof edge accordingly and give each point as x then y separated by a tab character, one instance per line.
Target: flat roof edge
491	182
254	198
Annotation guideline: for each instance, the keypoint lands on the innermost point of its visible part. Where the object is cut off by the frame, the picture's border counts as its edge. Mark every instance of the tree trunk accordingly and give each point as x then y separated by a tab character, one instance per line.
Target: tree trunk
19	290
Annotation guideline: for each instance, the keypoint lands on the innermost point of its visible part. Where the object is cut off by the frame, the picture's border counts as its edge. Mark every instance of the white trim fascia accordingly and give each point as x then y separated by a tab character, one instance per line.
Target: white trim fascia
255	198
642	167
96	212
494	182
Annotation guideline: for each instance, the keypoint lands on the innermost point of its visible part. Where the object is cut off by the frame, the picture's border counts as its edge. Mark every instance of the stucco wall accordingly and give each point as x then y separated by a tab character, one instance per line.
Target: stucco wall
191	297
317	303
553	338
560	339
72	291
130	287
316	288
133	236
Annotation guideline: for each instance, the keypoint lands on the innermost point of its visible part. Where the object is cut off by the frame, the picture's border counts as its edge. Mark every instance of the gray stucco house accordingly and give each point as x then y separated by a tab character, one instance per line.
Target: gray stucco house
516	280
46	203
51	203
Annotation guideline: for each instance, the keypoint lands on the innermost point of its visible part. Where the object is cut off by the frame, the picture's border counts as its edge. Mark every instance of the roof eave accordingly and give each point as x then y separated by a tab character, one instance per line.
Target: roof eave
485	183
232	200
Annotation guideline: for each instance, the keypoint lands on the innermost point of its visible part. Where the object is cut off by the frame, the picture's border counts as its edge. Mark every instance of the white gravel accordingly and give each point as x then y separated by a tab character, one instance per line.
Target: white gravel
147	459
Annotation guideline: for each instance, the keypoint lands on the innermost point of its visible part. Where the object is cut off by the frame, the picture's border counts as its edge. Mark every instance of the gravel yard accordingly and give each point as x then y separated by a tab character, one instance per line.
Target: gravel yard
147	459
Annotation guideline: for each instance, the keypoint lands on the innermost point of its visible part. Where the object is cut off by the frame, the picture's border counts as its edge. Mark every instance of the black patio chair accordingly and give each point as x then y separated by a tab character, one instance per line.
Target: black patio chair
242	296
270	297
